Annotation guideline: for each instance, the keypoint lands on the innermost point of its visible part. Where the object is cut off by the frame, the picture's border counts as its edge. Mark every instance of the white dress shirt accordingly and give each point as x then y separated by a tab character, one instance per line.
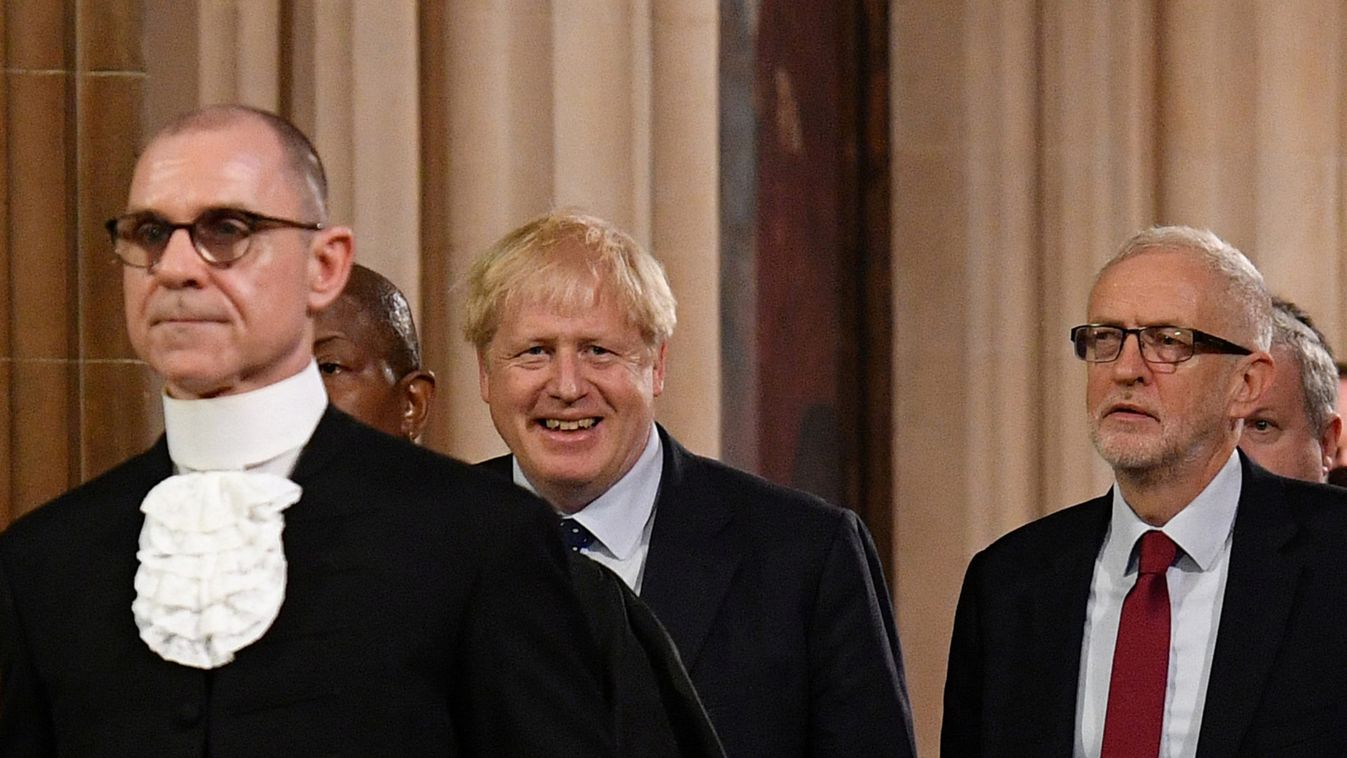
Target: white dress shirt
1196	582
621	518
264	430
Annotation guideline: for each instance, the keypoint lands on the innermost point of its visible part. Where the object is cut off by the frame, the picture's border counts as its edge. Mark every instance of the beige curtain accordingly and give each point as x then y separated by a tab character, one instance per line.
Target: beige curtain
445	124
578	104
1030	139
73	401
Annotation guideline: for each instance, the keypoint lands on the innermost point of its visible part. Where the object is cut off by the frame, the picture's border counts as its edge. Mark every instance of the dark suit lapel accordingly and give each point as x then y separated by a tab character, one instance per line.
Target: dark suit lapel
318	546
1259	592
119	530
693	553
333	432
150	468
1058	601
322	445
501	466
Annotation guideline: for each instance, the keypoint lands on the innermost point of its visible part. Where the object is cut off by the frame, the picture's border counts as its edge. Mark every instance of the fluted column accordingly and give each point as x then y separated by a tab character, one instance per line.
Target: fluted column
965	297
595	107
1097	142
1299	138
385	156
1022	156
239	45
1207	156
75	400
1253	142
351	84
684	210
490	105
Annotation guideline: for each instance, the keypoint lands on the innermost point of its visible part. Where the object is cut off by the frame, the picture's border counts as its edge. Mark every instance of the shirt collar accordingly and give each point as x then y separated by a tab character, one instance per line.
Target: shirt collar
618	516
1200	529
233	432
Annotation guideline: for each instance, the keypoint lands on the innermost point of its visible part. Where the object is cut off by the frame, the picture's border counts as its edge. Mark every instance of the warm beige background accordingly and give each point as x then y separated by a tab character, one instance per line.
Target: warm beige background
72	397
496	111
1029	138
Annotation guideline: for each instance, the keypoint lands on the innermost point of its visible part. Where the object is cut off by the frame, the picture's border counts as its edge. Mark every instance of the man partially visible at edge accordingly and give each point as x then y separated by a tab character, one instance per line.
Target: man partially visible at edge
370	358
1293	430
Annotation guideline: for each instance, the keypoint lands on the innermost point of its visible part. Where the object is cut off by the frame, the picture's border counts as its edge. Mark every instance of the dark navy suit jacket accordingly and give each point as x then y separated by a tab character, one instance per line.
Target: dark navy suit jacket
777	602
658	712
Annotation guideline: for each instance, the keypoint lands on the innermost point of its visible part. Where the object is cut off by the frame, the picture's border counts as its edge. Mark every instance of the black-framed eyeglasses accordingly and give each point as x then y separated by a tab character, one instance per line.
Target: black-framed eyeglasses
219	235
1101	343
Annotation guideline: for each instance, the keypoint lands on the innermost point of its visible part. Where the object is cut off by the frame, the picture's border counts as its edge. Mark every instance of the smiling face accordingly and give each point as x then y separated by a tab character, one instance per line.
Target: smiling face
572	393
210	330
1151	418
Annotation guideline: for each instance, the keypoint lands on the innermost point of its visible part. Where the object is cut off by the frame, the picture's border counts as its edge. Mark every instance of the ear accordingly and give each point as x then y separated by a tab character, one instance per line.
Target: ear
1251	380
418	391
330	258
483	379
1328	443
657	378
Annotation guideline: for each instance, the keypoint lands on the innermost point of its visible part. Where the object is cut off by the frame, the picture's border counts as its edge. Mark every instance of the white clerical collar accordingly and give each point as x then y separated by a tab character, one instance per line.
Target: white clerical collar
1200	529
235	432
618	516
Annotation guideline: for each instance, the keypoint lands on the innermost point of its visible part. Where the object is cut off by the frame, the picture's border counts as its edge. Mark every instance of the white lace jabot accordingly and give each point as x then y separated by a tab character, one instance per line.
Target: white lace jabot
212	566
212	570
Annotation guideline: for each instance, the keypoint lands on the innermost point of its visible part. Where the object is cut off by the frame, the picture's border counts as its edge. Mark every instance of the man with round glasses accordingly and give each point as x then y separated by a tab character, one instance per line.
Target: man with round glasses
219	235
1198	607
272	577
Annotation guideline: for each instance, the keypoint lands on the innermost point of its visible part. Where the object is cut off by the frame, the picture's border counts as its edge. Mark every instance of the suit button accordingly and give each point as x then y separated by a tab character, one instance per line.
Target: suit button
188	714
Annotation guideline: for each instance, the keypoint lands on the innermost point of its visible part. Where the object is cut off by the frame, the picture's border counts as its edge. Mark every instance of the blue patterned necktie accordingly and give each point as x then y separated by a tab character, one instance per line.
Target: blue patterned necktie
575	535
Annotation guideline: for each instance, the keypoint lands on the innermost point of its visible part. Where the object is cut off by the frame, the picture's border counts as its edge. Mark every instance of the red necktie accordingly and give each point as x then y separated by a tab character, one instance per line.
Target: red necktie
1136	691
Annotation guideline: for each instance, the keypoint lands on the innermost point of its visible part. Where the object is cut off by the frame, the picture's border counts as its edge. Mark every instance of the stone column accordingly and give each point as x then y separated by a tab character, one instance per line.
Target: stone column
685	210
75	401
1253	140
487	140
1022	155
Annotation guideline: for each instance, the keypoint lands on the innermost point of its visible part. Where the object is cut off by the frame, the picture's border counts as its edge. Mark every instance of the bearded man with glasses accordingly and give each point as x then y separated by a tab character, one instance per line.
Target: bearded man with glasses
1200	607
273	578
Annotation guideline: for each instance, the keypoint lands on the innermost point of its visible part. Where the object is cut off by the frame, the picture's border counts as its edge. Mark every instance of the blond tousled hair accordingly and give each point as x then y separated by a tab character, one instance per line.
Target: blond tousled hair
567	260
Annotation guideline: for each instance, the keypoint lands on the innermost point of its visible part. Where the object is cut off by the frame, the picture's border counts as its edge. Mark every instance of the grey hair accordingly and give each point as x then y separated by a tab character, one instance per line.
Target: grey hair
1245	289
1292	328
